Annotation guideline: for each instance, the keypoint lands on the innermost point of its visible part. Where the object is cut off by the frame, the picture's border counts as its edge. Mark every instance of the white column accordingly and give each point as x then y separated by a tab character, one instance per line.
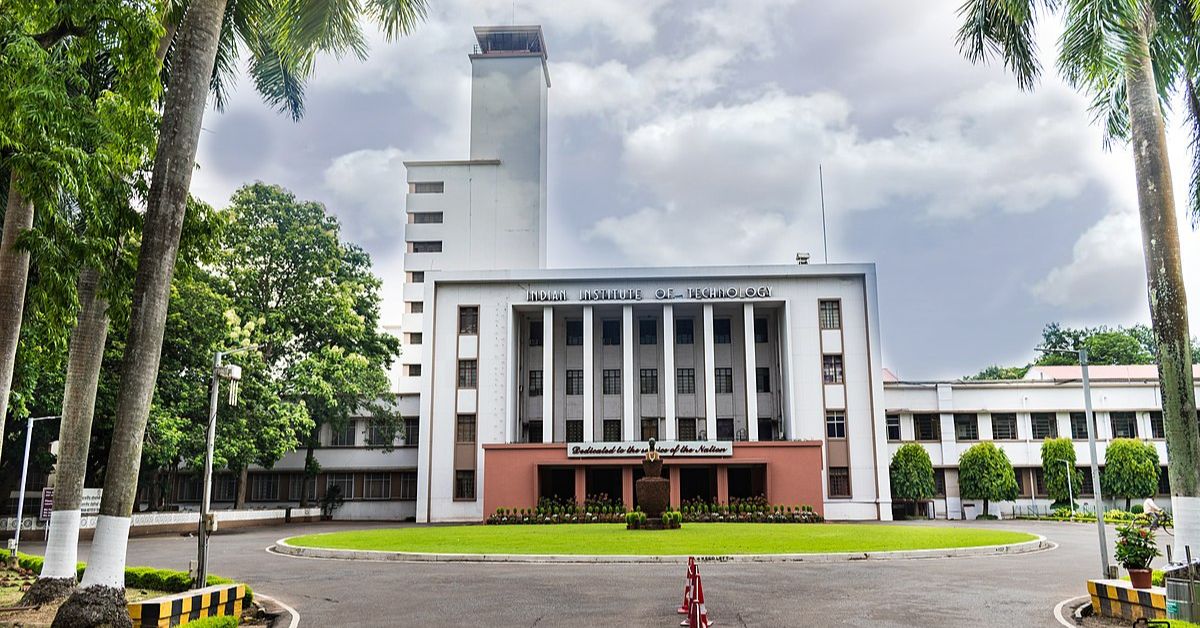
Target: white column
547	374
789	376
668	380
631	431
750	373
589	376
514	377
710	370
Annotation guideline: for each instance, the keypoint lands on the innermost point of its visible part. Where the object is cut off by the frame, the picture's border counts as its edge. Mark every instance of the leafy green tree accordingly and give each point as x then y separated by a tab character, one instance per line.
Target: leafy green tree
984	472
912	474
1130	470
1060	475
283	39
1132	58
999	372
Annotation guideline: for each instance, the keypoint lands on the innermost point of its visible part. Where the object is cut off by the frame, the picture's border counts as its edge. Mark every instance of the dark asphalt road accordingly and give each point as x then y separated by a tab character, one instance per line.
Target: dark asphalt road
1010	591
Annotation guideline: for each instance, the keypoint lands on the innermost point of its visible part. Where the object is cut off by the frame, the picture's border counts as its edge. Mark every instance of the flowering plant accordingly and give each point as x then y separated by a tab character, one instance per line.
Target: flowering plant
1135	546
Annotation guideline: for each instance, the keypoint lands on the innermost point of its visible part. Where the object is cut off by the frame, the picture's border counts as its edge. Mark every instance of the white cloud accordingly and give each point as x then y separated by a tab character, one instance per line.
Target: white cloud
367	189
1105	271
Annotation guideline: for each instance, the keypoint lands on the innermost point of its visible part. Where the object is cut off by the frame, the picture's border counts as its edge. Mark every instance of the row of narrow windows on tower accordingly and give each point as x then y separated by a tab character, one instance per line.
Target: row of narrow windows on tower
1042	425
685	381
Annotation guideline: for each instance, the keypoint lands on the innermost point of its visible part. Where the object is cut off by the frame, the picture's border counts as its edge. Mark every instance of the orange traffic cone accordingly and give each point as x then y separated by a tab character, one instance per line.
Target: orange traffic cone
699	611
686	606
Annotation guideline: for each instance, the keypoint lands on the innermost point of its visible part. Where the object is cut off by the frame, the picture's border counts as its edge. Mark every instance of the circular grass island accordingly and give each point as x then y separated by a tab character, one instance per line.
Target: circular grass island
692	539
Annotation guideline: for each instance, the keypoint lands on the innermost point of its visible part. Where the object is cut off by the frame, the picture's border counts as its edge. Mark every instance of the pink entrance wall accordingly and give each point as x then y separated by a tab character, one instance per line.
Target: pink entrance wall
793	472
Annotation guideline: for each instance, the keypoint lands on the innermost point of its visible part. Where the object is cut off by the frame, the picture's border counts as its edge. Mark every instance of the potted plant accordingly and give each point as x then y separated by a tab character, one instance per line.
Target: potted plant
1135	549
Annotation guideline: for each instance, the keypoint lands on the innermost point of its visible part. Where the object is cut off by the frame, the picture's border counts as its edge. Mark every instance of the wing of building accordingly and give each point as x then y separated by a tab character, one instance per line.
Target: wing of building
520	382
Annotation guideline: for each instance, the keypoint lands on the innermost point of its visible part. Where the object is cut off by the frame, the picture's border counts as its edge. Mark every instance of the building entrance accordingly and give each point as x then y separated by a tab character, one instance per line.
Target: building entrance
698	483
557	483
605	482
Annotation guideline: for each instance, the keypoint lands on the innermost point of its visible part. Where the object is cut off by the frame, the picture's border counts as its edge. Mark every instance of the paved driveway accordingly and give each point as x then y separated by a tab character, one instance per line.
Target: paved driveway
1014	591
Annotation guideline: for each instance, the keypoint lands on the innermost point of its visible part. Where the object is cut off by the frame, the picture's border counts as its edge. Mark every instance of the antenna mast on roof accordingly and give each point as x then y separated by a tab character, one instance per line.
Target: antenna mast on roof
824	237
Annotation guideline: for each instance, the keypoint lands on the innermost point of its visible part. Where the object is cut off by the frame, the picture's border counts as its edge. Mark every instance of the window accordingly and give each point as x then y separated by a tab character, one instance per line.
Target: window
966	427
465	429
427	246
721	331
612	430
416	276
647	332
1157	429
723	380
574	333
1004	426
574	430
378	434
408	485
427	187
1079	426
831	369
535	333
649	381
468	373
939	482
264	487
225	487
1164	482
574	381
464	485
685	381
299	486
893	427
1039	481
762	379
342	482
535	384
1019	473
412	430
416	307
612	381
343	436
835	424
1088	487
468	320
1124	424
649	429
414	370
725	429
610	333
830	314
684	331
427	218
377	486
414	338
535	431
189	488
927	426
687	429
760	330
839	481
1044	425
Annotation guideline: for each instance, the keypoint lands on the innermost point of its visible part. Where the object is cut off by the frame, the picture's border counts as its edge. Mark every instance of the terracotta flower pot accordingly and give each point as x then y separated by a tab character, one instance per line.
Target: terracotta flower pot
1140	578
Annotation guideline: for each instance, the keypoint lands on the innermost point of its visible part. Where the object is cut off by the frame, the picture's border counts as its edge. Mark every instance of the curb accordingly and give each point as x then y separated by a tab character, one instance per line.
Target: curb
285	616
282	547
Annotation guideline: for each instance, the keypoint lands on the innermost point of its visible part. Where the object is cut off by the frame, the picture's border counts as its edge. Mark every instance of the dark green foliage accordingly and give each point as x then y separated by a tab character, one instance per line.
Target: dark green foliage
912	474
1054	451
1130	470
984	472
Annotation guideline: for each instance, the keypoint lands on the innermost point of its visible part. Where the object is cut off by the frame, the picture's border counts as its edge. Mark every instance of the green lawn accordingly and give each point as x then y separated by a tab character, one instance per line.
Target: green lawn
693	538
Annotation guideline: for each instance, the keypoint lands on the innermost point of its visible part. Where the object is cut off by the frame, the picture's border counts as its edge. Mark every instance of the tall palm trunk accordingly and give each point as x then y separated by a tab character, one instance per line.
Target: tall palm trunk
14	271
100	600
84	359
1168	300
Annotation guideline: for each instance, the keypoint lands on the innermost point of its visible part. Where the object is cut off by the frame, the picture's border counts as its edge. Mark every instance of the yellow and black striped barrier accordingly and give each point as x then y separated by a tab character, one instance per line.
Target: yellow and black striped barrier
181	608
1118	598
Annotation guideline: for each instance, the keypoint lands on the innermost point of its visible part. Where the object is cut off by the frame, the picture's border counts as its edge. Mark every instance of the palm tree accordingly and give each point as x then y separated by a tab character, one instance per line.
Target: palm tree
283	38
14	272
1131	57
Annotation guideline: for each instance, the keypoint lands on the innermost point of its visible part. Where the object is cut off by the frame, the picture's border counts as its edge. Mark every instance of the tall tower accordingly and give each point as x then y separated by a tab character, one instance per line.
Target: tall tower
487	212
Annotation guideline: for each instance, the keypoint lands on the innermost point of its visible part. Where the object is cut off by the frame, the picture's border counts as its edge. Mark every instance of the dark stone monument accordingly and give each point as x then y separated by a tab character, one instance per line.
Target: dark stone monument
653	491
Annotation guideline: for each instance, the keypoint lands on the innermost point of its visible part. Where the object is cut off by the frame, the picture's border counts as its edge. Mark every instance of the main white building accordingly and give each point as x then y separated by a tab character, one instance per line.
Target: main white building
518	381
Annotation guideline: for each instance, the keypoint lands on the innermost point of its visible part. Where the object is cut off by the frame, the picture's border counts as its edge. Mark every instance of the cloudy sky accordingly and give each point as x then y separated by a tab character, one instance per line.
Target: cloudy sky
988	211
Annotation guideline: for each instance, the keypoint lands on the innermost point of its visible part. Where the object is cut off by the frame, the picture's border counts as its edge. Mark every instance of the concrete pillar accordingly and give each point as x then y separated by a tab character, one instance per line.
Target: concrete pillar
668	388
750	373
710	390
589	376
631	430
580	485
673	476
722	484
627	487
547	374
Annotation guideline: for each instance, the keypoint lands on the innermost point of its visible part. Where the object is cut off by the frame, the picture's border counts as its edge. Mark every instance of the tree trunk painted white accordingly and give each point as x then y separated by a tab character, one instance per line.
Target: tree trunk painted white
1168	300
101	596
14	272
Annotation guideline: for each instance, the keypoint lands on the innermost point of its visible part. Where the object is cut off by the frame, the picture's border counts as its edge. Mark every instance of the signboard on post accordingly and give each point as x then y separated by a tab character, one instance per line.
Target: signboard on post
665	448
89	504
47	503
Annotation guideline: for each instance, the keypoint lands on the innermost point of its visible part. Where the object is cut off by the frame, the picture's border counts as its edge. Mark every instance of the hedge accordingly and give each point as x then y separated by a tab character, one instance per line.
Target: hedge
153	579
219	621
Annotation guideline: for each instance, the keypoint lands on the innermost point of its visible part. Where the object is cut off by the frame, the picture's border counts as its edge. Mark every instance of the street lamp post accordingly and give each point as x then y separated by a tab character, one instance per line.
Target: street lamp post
1091	431
1070	489
233	373
24	474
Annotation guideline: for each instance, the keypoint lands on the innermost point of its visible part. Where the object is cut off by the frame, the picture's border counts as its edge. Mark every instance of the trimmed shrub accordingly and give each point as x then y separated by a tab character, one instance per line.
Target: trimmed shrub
150	578
1130	470
984	472
220	621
